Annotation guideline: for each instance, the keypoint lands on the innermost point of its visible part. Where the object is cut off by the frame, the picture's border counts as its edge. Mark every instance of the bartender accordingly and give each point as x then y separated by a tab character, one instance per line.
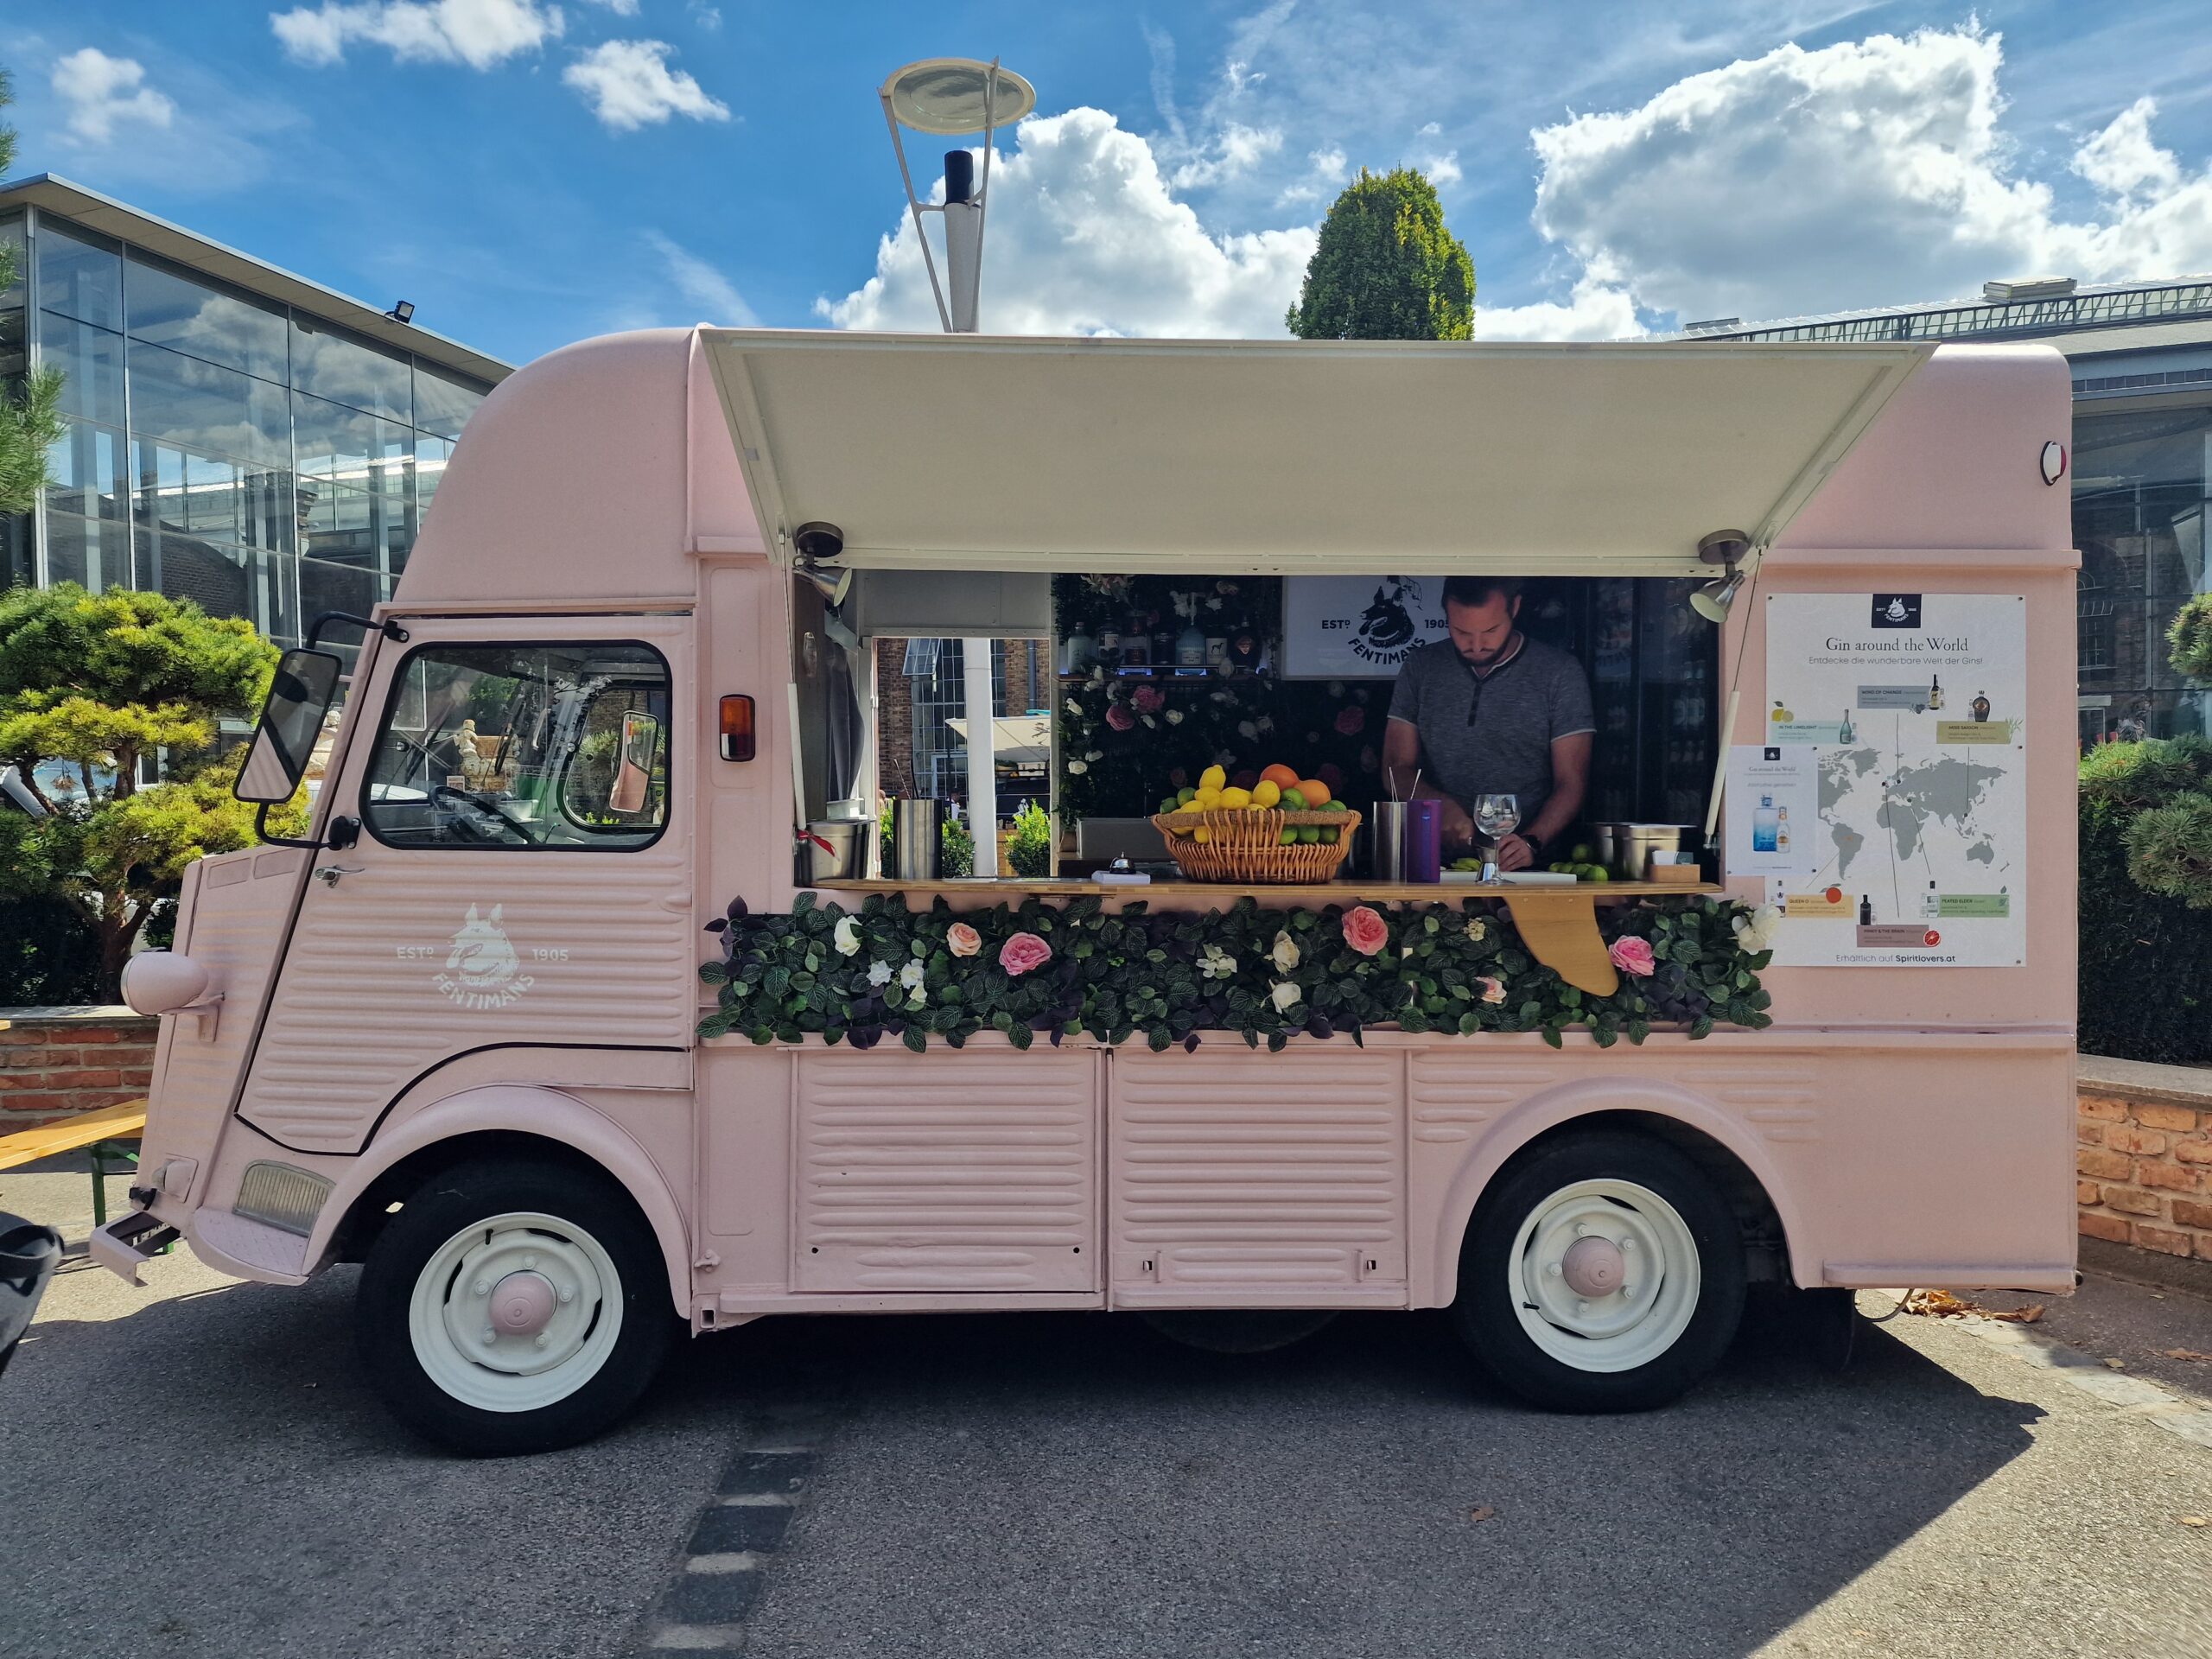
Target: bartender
1487	711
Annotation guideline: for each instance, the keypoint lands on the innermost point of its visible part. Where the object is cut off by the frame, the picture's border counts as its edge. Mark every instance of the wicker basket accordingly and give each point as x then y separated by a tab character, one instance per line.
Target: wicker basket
1247	845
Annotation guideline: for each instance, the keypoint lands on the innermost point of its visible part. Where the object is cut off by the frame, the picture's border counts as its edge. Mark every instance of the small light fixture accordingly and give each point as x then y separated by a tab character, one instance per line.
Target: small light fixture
403	312
818	545
1711	601
832	583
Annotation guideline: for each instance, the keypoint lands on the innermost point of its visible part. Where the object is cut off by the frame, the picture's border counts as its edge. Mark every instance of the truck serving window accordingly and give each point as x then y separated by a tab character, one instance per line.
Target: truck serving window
563	748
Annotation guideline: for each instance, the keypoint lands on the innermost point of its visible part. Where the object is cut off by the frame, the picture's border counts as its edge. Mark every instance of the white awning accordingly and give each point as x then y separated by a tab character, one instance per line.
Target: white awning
962	452
1016	739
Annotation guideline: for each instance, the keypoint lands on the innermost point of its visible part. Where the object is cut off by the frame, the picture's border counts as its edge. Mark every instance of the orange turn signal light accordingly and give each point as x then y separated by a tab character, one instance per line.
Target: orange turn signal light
737	728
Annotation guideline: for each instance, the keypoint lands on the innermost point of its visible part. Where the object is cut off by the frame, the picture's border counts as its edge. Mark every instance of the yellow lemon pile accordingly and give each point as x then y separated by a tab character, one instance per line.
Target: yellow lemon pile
1279	785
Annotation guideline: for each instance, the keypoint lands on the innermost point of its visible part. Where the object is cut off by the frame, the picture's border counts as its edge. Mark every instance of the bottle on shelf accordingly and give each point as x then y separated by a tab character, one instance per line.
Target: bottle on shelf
1865	910
1934	692
1765	826
1782	830
1931	905
1845	732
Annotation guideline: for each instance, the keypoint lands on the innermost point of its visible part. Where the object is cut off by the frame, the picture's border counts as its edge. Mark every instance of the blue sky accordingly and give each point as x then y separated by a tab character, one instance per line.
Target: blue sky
529	174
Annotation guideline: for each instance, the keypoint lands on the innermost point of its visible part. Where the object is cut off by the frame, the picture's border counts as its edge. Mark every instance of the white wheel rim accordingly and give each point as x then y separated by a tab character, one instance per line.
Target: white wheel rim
1636	1238
516	1313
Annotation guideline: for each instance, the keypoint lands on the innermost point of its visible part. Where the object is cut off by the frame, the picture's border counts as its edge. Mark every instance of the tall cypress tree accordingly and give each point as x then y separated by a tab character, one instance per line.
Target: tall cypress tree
29	405
1386	267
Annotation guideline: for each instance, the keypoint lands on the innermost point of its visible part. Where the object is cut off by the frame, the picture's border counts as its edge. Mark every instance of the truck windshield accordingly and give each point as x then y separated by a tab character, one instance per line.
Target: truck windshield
521	746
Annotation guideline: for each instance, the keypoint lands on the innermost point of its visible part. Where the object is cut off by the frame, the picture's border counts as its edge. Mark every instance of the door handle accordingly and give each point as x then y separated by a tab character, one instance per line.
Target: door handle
328	873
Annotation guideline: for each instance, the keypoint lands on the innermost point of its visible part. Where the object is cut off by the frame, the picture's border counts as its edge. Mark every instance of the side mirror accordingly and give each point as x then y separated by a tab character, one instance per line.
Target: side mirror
634	769
299	696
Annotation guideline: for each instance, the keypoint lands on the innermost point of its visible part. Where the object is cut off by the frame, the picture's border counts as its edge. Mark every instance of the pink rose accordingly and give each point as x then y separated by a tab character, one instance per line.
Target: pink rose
1493	988
1367	934
1148	699
1632	956
962	940
1177	777
1024	951
1119	717
1351	720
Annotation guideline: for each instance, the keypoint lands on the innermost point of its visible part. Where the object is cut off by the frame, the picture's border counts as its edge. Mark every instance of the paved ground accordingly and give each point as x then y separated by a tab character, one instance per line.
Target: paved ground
207	1477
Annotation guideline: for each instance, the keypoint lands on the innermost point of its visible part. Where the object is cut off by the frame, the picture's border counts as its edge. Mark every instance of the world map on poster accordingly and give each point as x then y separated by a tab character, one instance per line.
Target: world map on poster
1908	711
1932	800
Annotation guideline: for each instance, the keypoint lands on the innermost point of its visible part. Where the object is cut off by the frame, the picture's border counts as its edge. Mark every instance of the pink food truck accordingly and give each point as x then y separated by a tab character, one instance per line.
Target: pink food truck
565	1019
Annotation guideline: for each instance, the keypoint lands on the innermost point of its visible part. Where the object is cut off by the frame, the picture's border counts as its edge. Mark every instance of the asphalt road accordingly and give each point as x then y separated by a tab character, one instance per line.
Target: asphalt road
196	1469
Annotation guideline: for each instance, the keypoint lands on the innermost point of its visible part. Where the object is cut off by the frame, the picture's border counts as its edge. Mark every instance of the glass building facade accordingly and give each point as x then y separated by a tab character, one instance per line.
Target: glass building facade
221	445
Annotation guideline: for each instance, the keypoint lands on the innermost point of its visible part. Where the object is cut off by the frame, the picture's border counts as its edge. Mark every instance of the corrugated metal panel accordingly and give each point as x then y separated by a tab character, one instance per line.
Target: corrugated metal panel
1283	1174
591	948
960	1171
235	908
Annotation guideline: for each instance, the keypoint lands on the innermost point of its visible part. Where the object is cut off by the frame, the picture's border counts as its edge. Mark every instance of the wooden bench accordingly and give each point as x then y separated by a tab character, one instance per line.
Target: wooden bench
104	1132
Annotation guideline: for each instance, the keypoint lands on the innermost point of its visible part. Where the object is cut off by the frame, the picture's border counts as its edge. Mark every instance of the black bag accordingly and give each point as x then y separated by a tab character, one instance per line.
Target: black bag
29	1255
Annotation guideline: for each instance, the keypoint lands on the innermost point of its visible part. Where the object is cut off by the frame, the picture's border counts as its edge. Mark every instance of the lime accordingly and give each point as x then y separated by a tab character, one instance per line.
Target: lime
1185	795
1309	834
1290	838
1335	807
1293	801
1329	836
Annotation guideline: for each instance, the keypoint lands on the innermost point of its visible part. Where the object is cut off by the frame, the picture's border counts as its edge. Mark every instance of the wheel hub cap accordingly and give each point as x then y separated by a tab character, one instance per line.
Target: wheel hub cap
521	1303
1593	1266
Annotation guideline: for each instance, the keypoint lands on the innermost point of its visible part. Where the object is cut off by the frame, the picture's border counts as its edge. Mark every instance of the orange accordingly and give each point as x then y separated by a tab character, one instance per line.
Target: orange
1315	791
1280	776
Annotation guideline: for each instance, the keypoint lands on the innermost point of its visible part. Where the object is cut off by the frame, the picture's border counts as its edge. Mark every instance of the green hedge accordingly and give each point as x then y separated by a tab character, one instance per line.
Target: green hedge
48	955
2146	958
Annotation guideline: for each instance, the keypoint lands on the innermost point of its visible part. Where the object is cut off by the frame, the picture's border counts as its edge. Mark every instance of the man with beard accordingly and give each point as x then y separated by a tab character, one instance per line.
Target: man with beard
1487	711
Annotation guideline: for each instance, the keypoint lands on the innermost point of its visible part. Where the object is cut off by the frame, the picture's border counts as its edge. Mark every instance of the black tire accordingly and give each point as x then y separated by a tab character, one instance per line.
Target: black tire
1488	1316
447	1205
1237	1330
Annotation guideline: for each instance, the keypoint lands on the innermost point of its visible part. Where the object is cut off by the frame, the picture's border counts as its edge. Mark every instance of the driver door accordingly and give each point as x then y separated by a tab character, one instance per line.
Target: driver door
520	877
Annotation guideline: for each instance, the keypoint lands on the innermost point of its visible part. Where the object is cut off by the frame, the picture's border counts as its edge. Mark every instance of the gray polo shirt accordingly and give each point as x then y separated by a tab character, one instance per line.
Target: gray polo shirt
1536	695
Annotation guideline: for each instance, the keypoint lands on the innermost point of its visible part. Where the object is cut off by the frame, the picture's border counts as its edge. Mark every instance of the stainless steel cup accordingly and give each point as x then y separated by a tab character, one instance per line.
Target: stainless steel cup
1386	840
916	843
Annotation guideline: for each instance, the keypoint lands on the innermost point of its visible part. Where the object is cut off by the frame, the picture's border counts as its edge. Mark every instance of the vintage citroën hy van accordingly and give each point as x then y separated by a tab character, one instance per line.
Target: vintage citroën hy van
549	1019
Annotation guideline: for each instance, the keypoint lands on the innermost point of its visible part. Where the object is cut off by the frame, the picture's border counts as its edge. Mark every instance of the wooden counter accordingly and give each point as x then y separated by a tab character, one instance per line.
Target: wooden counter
1222	894
1557	923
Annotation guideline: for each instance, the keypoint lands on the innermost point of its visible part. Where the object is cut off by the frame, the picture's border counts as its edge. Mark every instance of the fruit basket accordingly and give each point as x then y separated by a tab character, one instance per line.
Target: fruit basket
1246	843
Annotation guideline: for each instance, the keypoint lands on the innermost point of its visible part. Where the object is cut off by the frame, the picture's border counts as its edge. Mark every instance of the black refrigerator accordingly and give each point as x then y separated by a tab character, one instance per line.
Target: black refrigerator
1655	687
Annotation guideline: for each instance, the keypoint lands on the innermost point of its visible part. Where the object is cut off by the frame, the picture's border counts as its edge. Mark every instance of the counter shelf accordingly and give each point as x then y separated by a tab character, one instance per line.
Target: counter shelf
1559	925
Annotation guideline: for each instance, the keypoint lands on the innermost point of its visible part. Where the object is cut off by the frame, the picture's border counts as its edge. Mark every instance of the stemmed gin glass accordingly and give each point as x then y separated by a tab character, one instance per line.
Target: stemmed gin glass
1495	815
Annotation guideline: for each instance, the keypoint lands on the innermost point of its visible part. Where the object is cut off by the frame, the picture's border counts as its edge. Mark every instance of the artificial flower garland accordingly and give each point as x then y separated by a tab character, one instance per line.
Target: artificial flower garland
1259	972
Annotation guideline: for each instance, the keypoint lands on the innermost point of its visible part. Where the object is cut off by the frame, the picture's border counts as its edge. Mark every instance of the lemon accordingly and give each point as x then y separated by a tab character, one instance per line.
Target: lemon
1266	792
1201	835
1206	799
1237	799
1213	778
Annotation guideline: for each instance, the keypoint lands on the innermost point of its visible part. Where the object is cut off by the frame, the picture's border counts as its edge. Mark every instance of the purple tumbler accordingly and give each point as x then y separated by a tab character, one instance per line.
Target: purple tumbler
1424	840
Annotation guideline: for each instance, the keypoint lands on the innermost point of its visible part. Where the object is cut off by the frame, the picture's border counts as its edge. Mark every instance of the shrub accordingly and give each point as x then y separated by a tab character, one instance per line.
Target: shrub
2170	849
2189	640
956	854
2146	902
1030	851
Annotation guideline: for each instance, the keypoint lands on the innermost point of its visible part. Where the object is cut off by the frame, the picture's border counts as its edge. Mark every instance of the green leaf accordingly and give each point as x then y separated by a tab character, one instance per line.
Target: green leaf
915	1039
1552	1036
1701	1028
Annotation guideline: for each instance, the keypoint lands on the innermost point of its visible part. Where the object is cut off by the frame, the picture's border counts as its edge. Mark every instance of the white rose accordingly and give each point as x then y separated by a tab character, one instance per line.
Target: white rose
1216	964
1094	754
1285	954
1174	716
1757	930
1075	768
1284	995
1476	930
911	976
1074	708
847	936
878	973
1248	731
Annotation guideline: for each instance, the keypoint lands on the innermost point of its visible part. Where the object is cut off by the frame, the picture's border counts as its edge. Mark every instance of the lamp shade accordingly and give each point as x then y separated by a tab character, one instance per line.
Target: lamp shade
948	95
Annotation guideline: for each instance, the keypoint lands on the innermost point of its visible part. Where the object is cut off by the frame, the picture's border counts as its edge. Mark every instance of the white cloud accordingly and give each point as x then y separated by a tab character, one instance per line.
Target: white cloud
708	17
629	85
619	8
703	285
1870	172
481	33
1599	308
1326	170
101	93
1086	238
1442	166
1237	150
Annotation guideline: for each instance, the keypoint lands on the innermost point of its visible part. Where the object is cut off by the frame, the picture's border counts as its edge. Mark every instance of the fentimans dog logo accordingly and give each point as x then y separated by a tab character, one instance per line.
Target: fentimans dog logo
1896	610
482	969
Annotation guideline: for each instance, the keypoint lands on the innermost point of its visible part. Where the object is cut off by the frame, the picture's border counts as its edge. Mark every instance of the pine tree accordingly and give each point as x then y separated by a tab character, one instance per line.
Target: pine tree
30	418
1386	267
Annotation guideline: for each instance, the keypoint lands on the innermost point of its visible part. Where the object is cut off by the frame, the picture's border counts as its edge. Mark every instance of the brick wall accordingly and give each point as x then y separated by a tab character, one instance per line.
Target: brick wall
54	1062
2143	1167
894	720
